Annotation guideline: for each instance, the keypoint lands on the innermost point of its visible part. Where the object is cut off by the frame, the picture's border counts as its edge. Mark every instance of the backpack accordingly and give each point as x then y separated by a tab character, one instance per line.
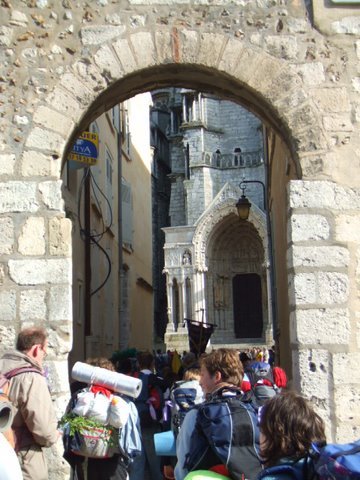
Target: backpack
184	395
4	397
225	432
329	462
263	383
150	401
337	461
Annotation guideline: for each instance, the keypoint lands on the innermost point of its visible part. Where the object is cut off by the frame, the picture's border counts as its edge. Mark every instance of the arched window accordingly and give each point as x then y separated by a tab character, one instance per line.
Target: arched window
238	161
217	158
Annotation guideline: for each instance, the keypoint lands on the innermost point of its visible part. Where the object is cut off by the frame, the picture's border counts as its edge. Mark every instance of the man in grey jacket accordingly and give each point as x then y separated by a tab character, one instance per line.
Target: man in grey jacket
34	424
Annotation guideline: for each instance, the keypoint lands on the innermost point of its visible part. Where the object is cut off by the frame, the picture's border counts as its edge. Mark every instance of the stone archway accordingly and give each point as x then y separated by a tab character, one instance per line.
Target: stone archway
51	93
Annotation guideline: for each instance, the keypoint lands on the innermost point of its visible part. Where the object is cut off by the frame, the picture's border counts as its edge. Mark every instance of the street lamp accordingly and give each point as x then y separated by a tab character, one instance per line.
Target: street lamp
243	207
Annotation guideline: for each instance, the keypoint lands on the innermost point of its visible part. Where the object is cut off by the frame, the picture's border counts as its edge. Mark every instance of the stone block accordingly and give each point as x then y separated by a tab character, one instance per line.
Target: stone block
284	46
51	195
6	35
60	339
7	164
332	100
144	47
35	164
7	337
348	25
6	236
163	45
349	396
60	303
46	140
53	120
304	227
322	194
188	45
18	197
8	306
60	236
90	74
347	228
210	47
18	18
302	289
106	61
345	368
312	73
32	237
125	55
99	34
347	431
338	123
58	373
64	102
333	288
42	271
32	305
315	369
317	326
318	257
77	88
229	58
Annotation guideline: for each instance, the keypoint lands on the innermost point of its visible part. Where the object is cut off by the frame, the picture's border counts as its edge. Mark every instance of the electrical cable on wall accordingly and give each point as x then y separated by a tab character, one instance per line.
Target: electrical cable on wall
95	237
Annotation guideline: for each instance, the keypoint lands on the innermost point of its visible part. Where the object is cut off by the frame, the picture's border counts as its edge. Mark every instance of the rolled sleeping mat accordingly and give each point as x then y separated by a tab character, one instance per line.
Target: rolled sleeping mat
117	382
165	444
6	415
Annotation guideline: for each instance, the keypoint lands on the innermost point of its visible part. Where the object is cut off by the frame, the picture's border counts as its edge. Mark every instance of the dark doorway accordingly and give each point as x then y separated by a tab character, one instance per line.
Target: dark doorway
248	321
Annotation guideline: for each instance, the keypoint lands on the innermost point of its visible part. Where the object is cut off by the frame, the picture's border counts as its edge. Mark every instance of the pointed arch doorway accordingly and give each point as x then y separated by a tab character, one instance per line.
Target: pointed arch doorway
237	291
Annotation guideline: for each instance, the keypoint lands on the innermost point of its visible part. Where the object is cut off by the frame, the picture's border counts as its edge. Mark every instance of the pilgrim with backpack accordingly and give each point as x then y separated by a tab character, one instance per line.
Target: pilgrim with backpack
294	444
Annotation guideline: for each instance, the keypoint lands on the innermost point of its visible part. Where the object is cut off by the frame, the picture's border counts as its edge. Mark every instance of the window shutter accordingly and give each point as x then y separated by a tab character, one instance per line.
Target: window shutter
127	227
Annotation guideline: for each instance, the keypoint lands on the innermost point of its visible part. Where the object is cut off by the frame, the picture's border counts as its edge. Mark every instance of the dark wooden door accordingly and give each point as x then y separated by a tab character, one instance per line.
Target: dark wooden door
247	299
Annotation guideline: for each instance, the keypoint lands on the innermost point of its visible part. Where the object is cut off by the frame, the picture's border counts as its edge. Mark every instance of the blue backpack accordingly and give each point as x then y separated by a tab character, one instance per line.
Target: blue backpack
337	461
330	462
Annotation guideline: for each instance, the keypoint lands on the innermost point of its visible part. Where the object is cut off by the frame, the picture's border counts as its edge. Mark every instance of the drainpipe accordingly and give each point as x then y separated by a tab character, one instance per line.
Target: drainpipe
120	252
270	239
87	227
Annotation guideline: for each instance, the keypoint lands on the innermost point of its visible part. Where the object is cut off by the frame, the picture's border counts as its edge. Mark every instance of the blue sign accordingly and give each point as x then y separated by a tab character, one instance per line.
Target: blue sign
85	149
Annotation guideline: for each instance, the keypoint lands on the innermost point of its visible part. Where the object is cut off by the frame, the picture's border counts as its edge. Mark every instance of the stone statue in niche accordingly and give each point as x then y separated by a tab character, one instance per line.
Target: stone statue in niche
186	258
220	292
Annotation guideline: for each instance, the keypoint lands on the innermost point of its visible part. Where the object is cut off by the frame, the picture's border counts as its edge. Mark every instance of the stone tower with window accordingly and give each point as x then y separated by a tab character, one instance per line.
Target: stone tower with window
216	266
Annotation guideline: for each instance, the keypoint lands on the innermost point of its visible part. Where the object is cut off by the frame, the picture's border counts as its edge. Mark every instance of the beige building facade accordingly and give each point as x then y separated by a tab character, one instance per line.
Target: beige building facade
105	213
294	64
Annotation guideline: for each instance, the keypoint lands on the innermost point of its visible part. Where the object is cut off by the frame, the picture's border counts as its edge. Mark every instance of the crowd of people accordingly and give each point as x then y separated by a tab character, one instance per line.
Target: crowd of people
220	422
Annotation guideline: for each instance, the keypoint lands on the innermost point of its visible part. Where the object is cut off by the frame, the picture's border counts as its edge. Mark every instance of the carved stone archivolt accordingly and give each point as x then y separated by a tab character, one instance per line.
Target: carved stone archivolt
221	208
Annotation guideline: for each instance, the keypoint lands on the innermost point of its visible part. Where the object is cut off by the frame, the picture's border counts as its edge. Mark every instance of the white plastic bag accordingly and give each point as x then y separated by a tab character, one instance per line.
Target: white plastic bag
99	409
119	412
83	403
93	405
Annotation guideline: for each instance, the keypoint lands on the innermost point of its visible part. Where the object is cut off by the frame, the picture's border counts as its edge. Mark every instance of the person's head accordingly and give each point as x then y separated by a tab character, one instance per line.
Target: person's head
145	360
33	342
192	374
218	367
101	362
245	359
288	427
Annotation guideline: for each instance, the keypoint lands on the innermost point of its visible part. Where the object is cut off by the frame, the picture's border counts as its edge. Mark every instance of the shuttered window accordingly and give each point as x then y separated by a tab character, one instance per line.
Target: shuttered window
127	213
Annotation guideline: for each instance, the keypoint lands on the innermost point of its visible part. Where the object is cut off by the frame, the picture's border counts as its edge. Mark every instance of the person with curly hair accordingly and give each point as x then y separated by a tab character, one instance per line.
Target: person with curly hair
288	427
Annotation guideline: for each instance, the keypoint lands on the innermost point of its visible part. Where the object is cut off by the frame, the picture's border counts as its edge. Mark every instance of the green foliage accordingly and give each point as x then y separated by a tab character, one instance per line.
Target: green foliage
78	425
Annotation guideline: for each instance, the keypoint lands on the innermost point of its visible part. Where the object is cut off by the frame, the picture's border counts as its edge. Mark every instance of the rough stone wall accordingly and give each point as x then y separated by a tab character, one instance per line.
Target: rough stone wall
65	63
